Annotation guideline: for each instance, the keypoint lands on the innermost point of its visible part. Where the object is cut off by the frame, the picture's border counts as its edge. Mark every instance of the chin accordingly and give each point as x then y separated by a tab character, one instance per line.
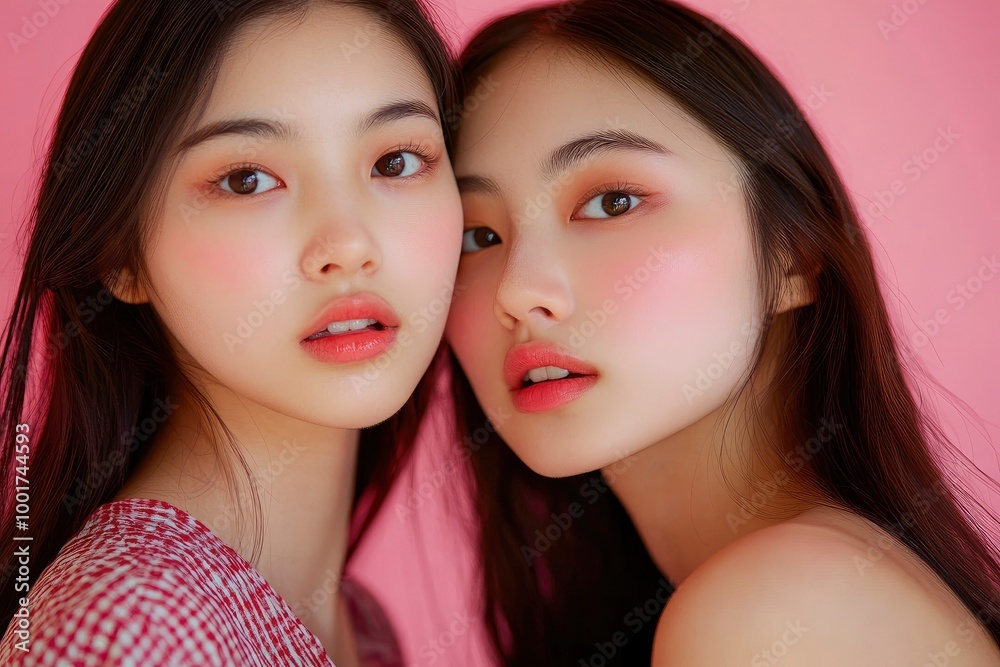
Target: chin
550	460
364	417
375	409
355	408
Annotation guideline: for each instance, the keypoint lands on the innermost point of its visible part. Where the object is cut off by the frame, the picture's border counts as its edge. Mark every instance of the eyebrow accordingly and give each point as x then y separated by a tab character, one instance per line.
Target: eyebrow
278	130
247	127
395	111
478	185
589	146
569	155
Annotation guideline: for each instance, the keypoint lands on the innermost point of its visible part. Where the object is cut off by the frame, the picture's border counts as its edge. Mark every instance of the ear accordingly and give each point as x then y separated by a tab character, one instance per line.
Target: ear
125	286
796	291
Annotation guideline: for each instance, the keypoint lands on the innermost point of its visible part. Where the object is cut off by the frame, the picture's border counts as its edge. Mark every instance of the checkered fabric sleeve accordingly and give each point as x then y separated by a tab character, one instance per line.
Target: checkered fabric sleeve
144	583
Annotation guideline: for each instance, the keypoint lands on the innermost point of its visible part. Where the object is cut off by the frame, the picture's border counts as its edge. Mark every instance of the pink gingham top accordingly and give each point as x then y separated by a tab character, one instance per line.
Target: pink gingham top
145	583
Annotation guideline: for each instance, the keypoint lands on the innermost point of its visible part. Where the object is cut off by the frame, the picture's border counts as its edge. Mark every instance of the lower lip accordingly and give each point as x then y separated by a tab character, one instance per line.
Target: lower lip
551	394
348	348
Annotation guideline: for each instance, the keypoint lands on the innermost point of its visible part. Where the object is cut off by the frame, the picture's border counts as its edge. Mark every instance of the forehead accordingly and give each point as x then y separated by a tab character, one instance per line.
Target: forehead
542	95
304	60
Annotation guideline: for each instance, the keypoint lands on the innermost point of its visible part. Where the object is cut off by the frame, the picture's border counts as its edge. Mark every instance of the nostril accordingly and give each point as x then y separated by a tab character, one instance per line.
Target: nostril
543	311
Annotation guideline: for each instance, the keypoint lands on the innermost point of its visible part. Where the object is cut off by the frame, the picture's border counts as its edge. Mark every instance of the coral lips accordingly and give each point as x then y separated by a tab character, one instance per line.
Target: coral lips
574	379
351	329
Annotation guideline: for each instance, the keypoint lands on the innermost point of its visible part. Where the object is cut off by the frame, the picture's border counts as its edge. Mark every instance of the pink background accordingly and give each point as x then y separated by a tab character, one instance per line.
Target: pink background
892	86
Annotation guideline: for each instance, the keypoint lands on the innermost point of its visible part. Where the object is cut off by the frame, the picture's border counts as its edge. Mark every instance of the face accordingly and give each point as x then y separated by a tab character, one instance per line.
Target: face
314	190
607	289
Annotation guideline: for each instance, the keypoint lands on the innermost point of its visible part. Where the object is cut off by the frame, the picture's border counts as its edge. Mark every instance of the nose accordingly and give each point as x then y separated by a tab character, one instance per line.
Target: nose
534	288
343	244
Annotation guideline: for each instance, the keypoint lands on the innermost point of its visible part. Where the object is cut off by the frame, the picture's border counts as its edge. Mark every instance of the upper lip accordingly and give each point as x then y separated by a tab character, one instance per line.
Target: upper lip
525	356
364	305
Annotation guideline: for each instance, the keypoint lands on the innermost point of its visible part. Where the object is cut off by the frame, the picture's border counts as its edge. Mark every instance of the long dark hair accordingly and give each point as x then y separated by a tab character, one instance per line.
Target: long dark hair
843	366
102	369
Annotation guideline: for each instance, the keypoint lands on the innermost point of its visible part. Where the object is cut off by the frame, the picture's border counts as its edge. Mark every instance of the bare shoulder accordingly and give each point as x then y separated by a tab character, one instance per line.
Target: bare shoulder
818	591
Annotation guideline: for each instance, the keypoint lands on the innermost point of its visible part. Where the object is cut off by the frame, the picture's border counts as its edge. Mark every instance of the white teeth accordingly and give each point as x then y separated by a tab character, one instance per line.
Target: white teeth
350	325
547	373
537	375
556	373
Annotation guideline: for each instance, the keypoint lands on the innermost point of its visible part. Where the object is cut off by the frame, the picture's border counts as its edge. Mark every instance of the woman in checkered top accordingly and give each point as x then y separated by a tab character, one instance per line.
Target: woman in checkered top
246	209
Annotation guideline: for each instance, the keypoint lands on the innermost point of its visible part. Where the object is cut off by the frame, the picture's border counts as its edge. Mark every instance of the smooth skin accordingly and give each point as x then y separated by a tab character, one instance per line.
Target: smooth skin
324	221
654	291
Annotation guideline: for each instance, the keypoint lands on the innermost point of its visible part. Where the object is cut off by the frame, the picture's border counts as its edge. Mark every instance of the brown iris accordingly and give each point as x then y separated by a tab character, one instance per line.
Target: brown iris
242	182
392	164
615	203
484	236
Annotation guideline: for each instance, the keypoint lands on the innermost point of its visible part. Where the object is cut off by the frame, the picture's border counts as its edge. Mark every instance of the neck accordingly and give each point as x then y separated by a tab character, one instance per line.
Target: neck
303	484
692	494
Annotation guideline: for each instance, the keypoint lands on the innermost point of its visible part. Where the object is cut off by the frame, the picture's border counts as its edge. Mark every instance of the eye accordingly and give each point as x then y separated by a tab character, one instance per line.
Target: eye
608	205
248	182
397	163
479	238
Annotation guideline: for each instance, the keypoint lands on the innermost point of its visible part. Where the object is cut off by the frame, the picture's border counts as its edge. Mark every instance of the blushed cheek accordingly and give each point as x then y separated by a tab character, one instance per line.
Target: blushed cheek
690	318
651	295
228	249
625	289
472	330
207	263
211	282
428	244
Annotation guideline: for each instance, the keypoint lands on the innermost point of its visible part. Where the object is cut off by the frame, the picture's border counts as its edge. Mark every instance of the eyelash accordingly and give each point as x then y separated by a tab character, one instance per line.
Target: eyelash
429	159
215	183
623	187
417	148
